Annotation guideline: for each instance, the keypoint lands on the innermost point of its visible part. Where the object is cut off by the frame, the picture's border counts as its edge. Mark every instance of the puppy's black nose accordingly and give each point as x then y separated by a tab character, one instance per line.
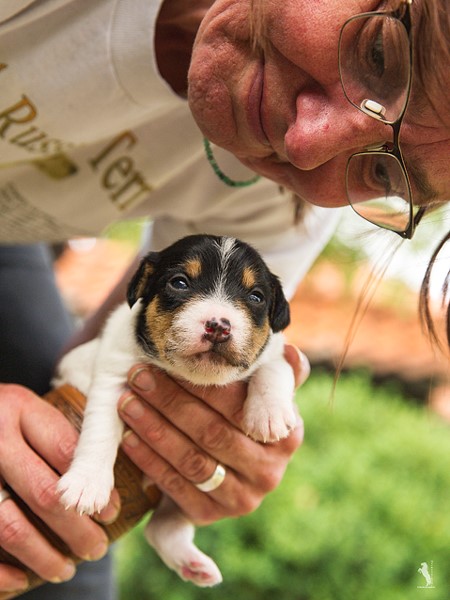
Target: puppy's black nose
217	331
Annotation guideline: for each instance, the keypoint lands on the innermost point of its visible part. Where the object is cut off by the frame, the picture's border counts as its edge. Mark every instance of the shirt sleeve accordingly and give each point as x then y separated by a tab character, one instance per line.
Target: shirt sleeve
10	8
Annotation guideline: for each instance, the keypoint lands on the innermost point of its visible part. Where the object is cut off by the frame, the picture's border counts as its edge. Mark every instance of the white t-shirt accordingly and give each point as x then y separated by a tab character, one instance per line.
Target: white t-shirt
90	134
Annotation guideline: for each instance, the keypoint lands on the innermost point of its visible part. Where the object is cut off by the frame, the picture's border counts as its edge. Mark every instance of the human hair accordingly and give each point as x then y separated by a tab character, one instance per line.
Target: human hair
425	311
431	25
432	79
257	25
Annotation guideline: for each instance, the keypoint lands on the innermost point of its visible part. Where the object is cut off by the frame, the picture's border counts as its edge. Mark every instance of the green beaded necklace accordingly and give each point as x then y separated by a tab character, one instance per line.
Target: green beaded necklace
220	174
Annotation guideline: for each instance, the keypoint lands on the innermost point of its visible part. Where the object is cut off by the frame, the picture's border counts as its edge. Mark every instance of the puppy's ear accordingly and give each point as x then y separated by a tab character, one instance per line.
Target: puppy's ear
139	281
279	315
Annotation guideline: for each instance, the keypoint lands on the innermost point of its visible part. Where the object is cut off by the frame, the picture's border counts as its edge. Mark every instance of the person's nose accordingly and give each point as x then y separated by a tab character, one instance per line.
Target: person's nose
327	125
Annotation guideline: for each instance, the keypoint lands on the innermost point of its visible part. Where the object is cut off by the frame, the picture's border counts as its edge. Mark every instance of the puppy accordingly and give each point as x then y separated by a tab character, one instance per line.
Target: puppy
207	310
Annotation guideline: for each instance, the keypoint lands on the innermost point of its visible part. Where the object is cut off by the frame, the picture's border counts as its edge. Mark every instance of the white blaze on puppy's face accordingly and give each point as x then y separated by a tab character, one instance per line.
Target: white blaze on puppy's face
226	248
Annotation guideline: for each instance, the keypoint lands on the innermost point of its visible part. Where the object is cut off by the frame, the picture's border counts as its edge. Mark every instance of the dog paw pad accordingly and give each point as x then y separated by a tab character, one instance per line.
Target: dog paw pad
203	574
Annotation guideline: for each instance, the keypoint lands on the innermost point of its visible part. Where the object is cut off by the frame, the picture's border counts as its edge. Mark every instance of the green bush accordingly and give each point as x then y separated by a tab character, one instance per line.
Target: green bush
363	504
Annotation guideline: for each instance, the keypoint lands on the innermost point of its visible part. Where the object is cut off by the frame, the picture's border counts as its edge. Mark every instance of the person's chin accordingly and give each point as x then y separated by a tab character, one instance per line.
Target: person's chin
281	173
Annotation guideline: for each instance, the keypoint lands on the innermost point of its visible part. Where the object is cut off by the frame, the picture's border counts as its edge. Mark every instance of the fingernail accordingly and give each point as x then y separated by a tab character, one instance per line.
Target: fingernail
143	380
98	552
146	483
130	439
67	573
109	514
305	367
132	407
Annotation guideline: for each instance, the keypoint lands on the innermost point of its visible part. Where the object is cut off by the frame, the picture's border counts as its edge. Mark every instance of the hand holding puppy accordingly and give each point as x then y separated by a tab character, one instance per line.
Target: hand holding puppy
175	450
36	444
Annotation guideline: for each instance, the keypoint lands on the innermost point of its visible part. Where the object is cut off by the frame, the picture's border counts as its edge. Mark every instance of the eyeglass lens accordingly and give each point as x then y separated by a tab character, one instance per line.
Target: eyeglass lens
378	190
374	63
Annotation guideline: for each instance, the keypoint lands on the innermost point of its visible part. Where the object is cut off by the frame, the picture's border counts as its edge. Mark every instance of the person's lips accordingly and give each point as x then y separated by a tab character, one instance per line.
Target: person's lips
253	108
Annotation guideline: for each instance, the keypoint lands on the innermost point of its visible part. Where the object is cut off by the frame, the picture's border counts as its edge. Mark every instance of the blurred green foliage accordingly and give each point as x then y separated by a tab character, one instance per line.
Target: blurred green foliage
129	231
362	505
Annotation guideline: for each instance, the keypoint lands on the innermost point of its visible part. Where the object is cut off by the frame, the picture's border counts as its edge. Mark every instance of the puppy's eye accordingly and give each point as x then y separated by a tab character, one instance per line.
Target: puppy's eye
256	296
179	283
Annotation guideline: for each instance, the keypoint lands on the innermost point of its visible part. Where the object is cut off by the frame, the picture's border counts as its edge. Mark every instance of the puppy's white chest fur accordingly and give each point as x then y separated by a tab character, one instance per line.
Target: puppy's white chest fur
204	328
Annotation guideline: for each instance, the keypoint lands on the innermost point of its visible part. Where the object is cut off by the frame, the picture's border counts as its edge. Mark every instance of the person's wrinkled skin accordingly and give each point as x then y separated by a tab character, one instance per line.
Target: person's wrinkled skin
280	107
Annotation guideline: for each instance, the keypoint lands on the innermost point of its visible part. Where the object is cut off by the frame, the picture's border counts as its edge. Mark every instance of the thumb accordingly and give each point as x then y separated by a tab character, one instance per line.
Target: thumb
299	363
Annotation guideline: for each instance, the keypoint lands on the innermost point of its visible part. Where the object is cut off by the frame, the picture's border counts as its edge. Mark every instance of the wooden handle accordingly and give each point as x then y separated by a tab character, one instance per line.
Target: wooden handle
135	503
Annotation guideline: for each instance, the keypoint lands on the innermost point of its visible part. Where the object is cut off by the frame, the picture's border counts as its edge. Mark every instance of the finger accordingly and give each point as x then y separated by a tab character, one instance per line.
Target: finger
174	462
227	401
260	466
210	431
12	580
172	457
202	508
256	469
20	539
299	363
178	449
48	431
54	438
35	483
111	511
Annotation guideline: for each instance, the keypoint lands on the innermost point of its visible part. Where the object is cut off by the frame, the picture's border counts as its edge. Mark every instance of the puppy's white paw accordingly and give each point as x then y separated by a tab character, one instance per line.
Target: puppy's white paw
268	422
87	492
171	534
198	568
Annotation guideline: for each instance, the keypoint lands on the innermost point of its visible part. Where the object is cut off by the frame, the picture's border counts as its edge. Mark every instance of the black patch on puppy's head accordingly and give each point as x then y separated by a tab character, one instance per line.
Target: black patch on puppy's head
279	314
139	284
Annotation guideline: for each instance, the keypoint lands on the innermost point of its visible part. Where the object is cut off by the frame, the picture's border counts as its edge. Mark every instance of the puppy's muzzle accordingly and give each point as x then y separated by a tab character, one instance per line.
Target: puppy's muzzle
217	331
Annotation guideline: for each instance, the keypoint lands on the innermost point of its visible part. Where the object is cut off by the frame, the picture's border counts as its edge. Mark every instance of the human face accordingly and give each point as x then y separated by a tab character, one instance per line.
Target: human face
278	104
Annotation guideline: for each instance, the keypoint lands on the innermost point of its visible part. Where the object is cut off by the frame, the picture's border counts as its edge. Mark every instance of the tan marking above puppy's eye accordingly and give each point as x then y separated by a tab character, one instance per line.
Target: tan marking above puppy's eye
248	277
193	267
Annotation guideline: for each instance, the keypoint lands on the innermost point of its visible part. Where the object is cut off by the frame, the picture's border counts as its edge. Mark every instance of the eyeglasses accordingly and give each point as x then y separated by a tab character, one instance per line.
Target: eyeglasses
375	69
